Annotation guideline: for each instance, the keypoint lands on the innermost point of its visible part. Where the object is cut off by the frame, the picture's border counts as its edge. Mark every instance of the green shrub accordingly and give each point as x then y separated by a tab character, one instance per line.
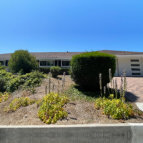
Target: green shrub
2	84
10	82
44	69
55	71
2	67
33	79
5	77
114	108
27	81
47	70
15	83
22	61
19	102
51	108
86	67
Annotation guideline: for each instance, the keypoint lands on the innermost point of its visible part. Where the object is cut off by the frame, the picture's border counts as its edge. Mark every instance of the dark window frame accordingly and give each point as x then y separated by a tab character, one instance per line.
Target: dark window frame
135	65
135	69
136	73
65	63
47	63
134	60
43	63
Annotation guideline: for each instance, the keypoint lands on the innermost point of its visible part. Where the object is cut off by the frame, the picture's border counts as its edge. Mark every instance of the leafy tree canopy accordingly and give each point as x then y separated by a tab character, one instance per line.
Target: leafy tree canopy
22	61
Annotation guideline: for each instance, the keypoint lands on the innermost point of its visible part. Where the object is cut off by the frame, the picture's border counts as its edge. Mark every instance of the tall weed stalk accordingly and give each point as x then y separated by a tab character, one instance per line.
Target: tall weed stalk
112	86
100	83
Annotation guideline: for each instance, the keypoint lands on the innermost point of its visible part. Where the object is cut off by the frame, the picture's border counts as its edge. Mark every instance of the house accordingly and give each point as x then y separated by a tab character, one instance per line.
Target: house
129	62
46	59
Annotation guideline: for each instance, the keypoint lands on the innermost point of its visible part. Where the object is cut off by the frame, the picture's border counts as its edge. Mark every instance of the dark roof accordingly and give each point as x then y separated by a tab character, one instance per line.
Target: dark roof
45	55
67	55
121	52
55	55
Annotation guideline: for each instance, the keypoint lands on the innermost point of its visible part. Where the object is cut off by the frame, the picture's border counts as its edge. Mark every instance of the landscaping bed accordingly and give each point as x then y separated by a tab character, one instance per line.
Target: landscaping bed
80	108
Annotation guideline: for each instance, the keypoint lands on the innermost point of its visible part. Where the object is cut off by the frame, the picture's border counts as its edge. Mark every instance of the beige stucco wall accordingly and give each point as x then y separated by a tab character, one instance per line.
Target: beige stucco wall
124	64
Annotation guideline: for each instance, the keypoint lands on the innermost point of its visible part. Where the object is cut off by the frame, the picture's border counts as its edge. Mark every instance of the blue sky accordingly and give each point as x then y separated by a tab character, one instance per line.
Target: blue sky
71	25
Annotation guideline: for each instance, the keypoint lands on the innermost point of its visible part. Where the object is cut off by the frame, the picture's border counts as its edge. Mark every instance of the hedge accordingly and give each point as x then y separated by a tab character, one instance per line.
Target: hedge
86	67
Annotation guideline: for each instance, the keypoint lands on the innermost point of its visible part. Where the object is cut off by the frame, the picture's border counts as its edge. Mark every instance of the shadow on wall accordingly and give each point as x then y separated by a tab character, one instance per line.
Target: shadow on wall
131	97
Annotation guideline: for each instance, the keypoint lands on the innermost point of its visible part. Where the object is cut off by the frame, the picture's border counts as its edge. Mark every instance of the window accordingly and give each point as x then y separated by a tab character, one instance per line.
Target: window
46	63
135	65
6	63
58	63
66	63
135	69
134	60
50	63
42	63
136	73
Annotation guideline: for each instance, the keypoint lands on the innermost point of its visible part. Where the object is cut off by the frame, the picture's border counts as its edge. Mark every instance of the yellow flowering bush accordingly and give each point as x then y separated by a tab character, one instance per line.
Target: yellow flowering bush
114	108
19	102
4	96
51	109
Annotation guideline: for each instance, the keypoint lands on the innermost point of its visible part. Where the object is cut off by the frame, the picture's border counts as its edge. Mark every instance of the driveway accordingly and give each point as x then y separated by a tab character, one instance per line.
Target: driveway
134	88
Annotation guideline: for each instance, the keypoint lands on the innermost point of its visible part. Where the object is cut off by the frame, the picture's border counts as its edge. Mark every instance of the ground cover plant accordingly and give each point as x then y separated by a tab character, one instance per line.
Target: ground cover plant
114	105
51	109
115	108
86	67
19	102
33	79
10	82
5	77
75	94
4	96
2	84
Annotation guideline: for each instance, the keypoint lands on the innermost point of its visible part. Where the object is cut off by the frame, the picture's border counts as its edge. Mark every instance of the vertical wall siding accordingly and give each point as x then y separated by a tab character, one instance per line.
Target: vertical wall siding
124	64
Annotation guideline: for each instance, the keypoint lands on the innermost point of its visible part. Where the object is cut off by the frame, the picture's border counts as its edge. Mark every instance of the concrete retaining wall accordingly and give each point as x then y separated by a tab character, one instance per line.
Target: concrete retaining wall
111	133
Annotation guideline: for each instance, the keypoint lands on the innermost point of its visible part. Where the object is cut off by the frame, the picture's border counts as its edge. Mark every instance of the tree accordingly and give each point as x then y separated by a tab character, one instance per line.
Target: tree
22	61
